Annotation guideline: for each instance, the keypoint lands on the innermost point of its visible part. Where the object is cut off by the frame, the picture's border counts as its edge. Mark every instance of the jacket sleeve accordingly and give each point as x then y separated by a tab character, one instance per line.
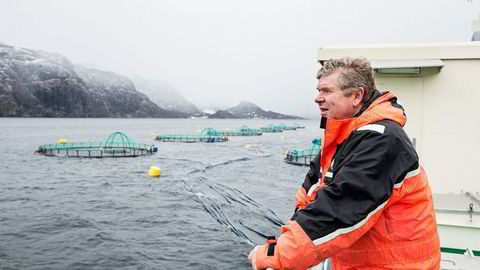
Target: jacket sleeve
364	176
313	174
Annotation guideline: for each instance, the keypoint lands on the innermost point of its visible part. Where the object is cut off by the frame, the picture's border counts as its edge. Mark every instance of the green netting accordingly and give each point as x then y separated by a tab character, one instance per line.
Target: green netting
240	132
118	138
117	144
249	130
271	128
303	156
285	127
209	132
311	151
209	135
246	129
298	126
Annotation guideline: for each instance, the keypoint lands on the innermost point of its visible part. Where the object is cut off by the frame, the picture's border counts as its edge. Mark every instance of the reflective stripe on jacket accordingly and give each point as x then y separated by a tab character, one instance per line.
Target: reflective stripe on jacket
372	207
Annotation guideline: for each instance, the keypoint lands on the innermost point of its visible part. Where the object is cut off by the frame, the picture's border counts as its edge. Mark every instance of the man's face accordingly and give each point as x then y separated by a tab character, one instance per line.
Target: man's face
331	100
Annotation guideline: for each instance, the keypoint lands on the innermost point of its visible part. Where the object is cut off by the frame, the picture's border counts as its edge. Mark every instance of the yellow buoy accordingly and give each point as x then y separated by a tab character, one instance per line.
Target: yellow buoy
154	171
62	141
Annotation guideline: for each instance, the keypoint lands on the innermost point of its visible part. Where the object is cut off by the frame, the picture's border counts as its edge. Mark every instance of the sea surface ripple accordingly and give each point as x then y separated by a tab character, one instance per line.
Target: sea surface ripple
211	205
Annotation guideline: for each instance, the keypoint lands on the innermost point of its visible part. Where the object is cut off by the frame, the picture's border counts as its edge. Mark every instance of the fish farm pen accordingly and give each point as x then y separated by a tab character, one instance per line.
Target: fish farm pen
116	145
240	132
250	130
208	135
303	156
271	129
285	127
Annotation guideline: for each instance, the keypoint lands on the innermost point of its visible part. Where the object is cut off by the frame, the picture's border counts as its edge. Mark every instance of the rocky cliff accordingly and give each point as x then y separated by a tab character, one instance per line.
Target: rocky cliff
41	84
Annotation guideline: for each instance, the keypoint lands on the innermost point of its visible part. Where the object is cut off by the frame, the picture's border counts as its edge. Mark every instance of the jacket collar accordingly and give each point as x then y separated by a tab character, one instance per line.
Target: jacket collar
375	95
378	107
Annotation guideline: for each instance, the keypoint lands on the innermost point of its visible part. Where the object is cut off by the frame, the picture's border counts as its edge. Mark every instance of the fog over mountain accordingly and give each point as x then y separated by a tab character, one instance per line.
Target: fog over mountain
217	53
164	95
42	84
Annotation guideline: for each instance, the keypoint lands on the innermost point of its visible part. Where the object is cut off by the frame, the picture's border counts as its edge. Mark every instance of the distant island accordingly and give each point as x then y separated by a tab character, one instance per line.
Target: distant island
42	84
249	110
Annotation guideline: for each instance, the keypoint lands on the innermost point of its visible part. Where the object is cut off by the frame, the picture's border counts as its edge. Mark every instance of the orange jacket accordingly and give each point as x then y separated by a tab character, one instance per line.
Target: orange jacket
372	207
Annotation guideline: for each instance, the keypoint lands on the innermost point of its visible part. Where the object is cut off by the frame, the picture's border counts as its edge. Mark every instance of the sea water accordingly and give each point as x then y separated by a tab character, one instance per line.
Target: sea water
211	205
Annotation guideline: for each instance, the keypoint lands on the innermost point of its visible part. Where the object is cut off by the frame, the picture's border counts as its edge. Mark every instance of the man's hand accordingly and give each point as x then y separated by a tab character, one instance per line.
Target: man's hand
252	257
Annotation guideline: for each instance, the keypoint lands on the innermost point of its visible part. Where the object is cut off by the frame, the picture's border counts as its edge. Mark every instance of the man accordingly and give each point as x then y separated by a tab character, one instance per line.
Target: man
365	202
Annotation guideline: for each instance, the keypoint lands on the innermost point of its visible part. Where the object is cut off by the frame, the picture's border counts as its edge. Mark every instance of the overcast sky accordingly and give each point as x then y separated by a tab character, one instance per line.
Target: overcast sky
220	52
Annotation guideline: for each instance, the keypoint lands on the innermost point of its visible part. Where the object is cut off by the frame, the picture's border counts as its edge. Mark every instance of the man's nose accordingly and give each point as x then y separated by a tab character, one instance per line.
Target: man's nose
319	98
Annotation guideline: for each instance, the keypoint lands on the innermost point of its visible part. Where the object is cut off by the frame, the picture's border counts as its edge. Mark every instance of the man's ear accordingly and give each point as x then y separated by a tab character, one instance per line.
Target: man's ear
358	96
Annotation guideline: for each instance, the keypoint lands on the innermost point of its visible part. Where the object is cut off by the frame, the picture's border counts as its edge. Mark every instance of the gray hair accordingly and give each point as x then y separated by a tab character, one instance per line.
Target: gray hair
355	72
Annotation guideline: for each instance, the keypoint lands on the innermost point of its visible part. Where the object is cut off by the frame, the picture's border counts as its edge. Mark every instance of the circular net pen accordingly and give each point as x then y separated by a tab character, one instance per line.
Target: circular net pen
285	127
116	145
208	135
271	129
246	129
298	126
243	131
303	156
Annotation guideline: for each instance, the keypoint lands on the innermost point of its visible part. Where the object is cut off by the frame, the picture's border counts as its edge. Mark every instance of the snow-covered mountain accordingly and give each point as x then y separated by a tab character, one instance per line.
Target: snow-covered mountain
41	84
36	83
249	110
